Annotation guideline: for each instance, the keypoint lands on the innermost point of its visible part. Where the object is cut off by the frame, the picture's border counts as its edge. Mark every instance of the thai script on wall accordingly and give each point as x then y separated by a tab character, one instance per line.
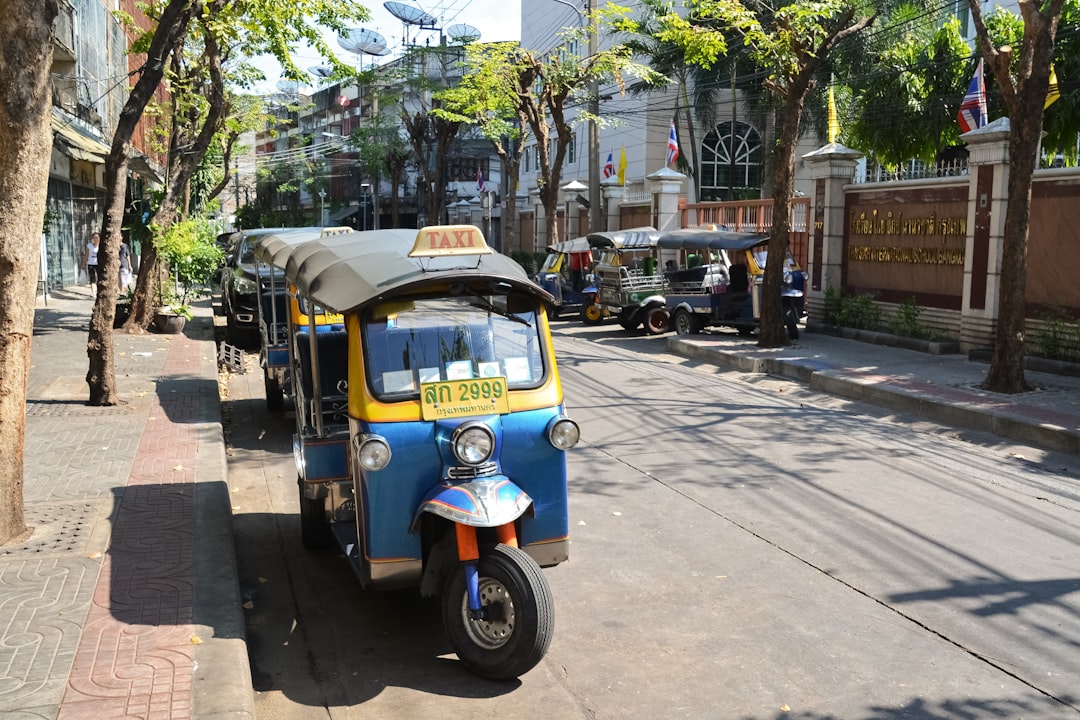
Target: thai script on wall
923	255
896	224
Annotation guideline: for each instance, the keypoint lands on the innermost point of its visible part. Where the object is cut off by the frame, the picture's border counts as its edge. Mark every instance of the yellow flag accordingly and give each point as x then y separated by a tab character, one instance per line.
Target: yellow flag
622	166
1052	93
834	118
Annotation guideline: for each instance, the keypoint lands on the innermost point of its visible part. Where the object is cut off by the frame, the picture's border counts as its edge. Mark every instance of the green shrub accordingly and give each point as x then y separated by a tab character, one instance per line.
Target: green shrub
1057	338
859	312
188	250
905	321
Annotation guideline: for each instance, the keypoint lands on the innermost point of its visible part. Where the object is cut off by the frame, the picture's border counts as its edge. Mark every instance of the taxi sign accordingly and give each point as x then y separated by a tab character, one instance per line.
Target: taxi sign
443	240
464	398
328	231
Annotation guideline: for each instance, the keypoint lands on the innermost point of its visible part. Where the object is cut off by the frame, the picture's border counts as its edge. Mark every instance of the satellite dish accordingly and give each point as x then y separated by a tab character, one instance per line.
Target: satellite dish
463	33
321	71
288	87
409	14
362	40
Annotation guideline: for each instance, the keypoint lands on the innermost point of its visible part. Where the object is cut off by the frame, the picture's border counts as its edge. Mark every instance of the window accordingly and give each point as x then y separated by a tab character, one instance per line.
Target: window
408	343
726	175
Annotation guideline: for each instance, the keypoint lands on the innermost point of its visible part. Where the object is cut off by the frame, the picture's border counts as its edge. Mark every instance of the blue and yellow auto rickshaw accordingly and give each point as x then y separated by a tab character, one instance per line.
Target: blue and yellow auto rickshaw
447	472
566	275
280	313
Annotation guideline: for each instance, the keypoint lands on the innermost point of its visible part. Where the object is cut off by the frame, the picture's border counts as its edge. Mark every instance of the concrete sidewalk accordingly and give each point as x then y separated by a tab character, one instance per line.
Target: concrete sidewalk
941	388
124	601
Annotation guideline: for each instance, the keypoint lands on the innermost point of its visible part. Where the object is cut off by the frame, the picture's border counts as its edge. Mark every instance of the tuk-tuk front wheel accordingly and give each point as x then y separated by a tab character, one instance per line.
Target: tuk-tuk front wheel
791	321
592	314
657	321
518	615
275	399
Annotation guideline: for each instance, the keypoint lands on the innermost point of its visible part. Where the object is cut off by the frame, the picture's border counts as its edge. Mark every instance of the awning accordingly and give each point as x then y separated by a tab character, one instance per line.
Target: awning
139	164
347	211
77	145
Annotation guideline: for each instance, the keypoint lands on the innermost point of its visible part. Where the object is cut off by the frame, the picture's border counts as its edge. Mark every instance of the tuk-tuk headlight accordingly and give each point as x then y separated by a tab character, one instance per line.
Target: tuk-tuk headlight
473	443
373	452
564	433
788	277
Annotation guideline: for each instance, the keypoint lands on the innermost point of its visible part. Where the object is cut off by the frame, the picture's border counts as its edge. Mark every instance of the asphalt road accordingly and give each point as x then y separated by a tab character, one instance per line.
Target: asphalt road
741	549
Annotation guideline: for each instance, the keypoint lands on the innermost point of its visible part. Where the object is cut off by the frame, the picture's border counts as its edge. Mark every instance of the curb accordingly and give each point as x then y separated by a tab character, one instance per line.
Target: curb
221	681
825	378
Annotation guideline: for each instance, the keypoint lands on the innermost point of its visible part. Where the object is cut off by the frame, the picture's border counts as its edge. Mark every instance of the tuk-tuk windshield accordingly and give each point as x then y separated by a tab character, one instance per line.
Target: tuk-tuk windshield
407	343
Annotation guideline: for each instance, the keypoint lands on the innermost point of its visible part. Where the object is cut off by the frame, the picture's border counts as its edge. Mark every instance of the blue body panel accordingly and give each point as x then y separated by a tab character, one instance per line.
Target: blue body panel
277	356
323	458
389	498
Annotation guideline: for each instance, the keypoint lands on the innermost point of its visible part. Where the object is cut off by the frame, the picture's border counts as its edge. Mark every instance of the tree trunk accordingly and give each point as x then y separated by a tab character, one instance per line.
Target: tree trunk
101	375
1006	374
25	145
772	332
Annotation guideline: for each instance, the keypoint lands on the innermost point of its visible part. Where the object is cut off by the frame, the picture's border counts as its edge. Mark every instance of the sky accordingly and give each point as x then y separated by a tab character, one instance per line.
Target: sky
495	19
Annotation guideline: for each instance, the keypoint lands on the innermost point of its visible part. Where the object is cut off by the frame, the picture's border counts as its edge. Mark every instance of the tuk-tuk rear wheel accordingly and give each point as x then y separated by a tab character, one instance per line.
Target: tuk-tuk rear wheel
657	321
314	525
275	399
791	322
519	615
685	322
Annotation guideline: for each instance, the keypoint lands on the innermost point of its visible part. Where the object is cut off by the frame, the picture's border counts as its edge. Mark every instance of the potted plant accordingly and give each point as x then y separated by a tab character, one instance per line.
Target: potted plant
192	257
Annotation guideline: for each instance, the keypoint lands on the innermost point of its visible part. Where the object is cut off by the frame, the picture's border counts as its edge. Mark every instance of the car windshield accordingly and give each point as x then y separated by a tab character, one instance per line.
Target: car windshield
407	343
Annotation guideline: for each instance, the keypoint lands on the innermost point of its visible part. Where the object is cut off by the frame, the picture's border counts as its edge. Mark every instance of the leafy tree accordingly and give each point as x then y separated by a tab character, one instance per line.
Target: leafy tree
485	100
791	42
1022	79
384	153
905	102
257	26
26	145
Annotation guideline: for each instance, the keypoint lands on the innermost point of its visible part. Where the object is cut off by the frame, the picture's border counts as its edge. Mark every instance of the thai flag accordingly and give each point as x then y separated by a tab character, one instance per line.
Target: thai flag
672	144
479	179
972	113
609	166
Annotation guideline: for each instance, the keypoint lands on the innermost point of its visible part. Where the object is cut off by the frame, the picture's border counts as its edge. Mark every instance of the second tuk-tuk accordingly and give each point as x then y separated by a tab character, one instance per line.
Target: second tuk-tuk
566	274
727	290
629	284
447	472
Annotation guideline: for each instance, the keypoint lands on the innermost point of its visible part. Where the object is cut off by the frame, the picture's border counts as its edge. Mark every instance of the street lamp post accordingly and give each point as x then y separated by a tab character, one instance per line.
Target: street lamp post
322	208
364	188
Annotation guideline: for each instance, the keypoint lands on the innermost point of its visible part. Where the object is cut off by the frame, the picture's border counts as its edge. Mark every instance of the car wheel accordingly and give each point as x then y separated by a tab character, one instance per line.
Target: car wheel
519	615
657	321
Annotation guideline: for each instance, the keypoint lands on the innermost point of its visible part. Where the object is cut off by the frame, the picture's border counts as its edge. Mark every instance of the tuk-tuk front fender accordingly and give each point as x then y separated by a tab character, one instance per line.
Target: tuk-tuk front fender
486	502
652	301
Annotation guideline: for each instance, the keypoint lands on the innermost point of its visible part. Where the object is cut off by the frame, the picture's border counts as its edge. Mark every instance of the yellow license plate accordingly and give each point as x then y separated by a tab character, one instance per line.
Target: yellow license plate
463	398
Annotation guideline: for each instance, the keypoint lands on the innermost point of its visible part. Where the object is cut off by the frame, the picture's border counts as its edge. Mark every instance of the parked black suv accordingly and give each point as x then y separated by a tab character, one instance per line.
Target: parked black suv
240	287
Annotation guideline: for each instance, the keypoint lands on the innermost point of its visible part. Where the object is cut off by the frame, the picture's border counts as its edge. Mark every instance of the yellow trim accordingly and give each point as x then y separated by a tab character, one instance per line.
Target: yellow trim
364	406
299	318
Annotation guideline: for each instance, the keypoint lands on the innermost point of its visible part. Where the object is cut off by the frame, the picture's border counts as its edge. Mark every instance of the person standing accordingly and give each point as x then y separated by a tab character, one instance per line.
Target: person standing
125	266
90	259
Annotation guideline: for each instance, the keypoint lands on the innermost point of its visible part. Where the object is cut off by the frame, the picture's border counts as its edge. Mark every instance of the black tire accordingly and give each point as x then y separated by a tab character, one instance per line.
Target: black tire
745	330
657	320
513	588
275	399
592	314
629	321
791	322
314	525
685	322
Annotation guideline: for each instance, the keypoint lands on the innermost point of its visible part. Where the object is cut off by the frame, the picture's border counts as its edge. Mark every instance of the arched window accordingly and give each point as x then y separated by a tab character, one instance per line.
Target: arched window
717	180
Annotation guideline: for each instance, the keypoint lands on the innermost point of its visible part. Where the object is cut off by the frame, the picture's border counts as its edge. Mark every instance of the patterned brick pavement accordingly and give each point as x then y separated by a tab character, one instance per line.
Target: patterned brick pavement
98	607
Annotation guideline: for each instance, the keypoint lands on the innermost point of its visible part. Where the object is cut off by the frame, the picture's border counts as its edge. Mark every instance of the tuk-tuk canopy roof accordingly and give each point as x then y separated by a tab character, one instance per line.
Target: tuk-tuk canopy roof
709	238
349	271
632	238
275	246
577	245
